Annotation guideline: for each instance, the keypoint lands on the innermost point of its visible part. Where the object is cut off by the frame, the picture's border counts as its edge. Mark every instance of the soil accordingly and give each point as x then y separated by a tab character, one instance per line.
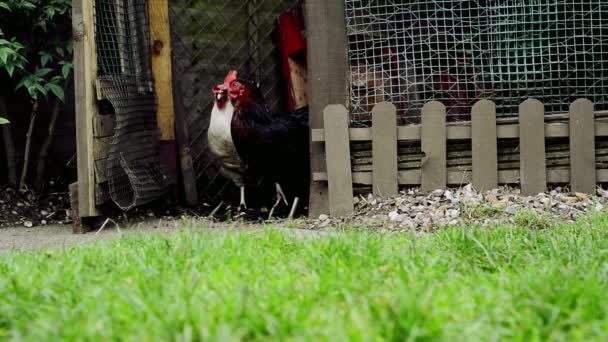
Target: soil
26	209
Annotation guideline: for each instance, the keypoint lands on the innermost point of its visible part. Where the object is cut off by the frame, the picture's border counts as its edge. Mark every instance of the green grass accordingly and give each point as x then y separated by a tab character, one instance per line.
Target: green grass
461	284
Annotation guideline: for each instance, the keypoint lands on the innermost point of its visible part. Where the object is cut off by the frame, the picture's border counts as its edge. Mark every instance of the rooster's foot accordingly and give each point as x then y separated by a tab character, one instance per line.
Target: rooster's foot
280	195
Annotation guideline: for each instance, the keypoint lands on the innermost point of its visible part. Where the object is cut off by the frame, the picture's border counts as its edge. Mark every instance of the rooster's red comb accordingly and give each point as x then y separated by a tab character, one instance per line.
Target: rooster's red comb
232	75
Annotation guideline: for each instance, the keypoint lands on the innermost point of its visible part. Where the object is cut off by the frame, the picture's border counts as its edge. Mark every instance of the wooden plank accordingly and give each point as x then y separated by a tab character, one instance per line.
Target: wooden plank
340	182
582	146
510	131
533	171
484	148
101	148
433	142
104	125
327	77
85	72
384	149
101	171
182	138
158	14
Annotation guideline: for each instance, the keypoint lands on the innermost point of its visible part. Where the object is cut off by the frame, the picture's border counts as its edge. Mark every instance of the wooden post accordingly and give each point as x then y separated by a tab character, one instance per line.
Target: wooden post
484	149
433	141
339	174
533	172
85	72
384	150
160	36
582	146
327	81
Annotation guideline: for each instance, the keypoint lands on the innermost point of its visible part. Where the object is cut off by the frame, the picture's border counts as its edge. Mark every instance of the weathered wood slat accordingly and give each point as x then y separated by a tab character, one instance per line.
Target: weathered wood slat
484	148
85	73
555	176
104	125
533	171
101	171
384	149
327	80
433	142
582	146
510	131
337	148
158	13
101	148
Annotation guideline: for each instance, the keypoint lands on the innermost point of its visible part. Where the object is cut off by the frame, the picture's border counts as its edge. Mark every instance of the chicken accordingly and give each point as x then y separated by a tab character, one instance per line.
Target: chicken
274	146
220	139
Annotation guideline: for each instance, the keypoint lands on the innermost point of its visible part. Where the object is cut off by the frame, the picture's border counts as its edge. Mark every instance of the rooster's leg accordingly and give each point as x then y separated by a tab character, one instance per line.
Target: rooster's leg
280	194
243	205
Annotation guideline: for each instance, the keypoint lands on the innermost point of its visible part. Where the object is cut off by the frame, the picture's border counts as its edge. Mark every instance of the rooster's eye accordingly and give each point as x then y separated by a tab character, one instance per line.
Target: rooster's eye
235	84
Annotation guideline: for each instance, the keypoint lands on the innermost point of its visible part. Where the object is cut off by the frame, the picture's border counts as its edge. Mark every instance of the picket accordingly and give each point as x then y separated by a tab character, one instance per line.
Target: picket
484	148
337	149
582	147
384	150
389	165
533	173
433	142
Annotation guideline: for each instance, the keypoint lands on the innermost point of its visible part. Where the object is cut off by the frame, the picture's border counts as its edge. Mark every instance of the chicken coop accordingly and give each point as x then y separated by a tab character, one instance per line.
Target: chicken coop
418	93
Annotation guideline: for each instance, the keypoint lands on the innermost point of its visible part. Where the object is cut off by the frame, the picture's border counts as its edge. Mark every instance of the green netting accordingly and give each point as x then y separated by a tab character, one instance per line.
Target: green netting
410	52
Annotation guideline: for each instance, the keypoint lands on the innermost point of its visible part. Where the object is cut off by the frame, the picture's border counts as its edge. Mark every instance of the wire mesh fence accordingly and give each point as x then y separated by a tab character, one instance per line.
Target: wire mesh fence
209	38
134	171
457	52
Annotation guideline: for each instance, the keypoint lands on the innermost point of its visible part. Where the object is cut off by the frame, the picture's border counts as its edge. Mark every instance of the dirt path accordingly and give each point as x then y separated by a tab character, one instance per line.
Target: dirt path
61	236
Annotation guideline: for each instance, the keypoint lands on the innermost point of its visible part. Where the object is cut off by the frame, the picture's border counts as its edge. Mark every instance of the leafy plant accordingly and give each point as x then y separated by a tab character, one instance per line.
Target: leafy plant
35	53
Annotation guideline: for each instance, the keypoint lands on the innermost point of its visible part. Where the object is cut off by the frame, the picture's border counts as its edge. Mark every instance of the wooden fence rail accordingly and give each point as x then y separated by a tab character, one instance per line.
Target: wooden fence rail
434	135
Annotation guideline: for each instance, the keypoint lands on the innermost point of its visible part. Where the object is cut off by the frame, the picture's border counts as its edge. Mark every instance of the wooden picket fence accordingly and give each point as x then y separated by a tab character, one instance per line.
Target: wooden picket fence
434	134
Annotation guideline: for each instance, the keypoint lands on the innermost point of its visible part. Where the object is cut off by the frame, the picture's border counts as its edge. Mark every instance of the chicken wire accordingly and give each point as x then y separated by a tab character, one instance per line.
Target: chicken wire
209	38
134	171
457	52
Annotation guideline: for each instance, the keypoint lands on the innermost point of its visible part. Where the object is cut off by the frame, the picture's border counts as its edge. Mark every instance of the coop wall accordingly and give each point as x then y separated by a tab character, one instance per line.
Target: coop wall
209	38
458	52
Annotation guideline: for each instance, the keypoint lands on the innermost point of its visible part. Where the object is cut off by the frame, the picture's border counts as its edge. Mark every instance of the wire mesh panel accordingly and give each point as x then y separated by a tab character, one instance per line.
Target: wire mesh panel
209	38
134	171
411	52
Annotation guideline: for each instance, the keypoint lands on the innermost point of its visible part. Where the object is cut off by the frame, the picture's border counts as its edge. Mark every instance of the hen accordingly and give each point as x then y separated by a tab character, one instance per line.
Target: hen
274	146
220	139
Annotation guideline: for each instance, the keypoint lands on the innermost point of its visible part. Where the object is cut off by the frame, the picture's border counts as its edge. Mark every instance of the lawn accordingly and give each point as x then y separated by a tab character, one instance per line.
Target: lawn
460	284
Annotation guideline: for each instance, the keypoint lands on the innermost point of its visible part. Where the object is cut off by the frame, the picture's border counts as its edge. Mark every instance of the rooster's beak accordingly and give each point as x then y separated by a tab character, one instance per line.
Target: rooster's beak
222	93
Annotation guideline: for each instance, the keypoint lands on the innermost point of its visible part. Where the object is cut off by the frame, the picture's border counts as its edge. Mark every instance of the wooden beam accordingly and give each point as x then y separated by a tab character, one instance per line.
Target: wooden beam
158	14
412	177
85	73
463	132
327	81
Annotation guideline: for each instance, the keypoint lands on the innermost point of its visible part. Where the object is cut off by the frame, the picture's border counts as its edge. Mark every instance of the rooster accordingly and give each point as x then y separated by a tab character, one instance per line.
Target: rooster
220	139
274	146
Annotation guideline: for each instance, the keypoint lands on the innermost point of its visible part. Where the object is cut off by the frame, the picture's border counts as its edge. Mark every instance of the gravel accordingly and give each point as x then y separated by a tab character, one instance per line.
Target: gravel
412	209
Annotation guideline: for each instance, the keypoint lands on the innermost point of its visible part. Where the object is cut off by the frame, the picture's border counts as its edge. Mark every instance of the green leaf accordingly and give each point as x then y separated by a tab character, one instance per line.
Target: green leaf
45	58
56	90
3	121
66	69
6	7
41	89
22	82
60	51
10	68
3	55
43	72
